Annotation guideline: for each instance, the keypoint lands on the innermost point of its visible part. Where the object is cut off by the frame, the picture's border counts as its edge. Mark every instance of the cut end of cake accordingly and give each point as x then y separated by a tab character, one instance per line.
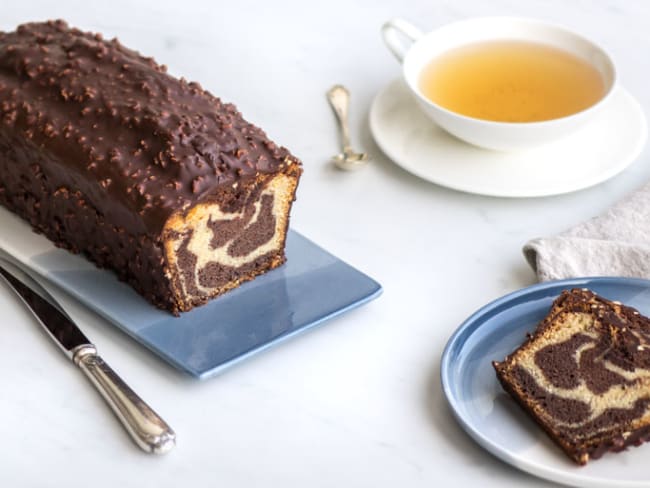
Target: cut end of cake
584	375
230	238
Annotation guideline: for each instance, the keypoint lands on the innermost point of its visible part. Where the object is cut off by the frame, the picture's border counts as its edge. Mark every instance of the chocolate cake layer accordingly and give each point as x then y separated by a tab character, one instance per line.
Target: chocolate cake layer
584	375
106	154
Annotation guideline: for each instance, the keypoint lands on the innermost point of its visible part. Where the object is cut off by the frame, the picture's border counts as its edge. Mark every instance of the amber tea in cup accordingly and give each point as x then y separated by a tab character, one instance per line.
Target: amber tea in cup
511	81
503	83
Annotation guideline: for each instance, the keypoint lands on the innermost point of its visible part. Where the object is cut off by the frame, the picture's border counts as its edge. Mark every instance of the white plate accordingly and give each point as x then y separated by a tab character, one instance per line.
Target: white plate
595	153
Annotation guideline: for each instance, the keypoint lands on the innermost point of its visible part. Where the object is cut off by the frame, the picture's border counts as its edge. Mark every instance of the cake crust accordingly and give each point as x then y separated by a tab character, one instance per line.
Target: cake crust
584	375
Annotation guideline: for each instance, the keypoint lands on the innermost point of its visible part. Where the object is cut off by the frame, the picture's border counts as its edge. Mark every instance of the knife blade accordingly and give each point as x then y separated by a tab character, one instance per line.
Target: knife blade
149	431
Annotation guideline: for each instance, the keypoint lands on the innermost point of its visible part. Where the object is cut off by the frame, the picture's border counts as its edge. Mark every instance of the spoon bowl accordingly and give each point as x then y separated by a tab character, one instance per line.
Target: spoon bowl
350	160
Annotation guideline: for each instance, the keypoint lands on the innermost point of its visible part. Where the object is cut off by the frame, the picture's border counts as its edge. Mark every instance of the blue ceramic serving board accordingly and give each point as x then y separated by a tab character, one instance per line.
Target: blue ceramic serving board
311	287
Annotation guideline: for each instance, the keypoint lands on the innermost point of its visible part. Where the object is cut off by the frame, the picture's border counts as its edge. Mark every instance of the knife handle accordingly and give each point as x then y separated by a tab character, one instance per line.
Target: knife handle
150	432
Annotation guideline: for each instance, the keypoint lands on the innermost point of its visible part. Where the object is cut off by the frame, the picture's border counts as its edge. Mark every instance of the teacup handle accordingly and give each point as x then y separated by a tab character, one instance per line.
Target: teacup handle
393	33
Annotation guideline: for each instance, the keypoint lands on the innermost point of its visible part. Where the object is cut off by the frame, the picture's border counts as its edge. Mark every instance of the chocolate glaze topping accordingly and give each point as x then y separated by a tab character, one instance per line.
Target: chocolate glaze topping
99	147
137	143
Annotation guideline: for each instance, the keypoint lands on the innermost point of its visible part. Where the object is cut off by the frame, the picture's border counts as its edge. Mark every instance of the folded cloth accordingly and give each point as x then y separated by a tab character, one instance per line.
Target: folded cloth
616	243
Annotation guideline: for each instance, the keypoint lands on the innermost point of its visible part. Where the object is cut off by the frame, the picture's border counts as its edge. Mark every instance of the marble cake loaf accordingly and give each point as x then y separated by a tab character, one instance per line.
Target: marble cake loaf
148	175
584	375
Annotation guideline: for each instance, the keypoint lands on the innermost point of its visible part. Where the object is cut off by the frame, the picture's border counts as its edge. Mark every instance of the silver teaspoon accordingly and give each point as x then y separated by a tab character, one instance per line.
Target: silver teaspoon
339	98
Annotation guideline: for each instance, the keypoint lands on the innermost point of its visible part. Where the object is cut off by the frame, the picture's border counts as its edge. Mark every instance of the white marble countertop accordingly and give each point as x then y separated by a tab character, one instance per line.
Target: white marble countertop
358	401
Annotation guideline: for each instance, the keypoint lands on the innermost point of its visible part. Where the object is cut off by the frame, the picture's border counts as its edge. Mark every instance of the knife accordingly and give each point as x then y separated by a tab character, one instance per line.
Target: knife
150	432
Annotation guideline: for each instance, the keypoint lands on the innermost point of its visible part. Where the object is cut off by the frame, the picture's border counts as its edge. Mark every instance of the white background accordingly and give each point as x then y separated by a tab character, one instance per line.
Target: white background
358	401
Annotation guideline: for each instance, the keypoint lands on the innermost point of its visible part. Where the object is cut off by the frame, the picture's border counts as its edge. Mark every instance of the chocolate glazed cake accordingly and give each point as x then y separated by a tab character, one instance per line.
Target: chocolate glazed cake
145	174
584	375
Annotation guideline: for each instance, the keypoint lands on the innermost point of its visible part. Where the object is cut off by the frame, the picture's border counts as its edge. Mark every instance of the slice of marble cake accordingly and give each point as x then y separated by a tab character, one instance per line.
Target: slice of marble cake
584	375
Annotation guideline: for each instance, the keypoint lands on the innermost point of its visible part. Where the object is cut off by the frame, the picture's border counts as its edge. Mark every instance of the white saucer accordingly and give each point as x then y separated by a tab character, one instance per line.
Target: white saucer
592	155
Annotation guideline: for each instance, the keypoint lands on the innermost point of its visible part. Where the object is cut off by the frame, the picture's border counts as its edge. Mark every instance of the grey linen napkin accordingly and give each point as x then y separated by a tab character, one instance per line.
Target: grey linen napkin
616	243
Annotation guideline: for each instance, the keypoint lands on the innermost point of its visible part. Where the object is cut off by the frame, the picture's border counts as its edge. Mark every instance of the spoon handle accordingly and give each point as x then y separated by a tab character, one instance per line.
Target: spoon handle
339	98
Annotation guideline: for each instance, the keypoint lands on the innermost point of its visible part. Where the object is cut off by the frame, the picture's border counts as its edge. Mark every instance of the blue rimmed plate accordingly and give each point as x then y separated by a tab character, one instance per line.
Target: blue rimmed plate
493	419
311	287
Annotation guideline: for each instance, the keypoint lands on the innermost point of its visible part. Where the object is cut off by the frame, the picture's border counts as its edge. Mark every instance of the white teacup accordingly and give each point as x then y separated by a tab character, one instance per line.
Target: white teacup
416	50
